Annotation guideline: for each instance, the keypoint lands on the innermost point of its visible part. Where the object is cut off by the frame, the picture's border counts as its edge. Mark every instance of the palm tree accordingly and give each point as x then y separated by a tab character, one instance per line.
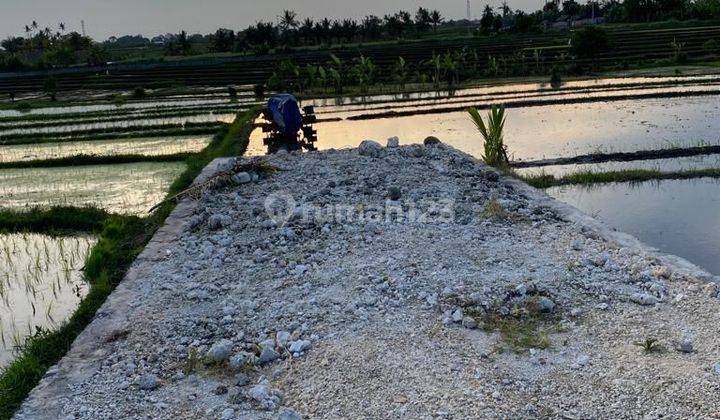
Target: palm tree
495	150
288	20
436	19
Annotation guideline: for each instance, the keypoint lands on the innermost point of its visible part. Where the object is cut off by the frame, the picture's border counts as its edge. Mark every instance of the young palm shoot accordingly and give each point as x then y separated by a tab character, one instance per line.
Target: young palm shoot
495	150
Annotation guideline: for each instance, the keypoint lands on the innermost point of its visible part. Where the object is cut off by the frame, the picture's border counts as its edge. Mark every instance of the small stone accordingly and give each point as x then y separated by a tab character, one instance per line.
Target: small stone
282	337
685	346
431	141
469	322
716	368
220	351
711	290
582	361
299	346
218	221
242	379
394	193
242	178
239	360
288	414
148	382
266	397
393	142
370	148
545	305
578	245
267	355
492	176
458	315
220	390
227	414
645	299
521	289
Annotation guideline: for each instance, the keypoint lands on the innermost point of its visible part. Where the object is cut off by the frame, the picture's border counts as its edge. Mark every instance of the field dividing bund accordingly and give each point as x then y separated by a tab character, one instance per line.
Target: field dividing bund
63	182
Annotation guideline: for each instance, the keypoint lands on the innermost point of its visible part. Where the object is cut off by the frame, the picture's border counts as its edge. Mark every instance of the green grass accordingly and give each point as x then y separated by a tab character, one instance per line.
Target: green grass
628	175
122	238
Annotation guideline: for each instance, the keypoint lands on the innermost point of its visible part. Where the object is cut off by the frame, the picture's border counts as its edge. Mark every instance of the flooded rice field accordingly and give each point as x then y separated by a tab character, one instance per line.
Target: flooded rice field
549	131
159	146
125	124
41	284
676	216
131	188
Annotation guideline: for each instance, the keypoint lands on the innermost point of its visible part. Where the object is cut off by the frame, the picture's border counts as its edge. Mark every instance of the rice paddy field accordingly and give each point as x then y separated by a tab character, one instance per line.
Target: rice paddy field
41	282
89	150
138	148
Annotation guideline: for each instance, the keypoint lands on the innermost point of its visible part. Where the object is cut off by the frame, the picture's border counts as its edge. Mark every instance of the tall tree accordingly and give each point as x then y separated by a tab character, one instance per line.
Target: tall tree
436	19
288	20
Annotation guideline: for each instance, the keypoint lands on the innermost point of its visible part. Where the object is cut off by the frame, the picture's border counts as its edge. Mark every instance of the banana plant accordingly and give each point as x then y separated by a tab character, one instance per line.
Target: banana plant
400	72
322	77
451	67
435	64
364	72
336	72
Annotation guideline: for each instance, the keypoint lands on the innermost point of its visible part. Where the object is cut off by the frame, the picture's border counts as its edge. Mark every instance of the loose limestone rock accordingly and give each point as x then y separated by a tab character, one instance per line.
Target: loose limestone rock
370	148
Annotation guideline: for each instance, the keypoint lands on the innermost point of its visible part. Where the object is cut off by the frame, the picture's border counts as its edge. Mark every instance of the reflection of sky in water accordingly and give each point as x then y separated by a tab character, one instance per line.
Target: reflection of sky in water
664	165
680	217
131	188
548	131
155	146
41	272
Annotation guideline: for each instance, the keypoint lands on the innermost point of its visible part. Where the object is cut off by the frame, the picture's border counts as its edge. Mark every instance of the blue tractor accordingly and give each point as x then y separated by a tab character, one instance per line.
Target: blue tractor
286	127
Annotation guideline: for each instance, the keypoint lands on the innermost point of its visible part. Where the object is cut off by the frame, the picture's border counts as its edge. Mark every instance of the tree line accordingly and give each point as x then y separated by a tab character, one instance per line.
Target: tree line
45	46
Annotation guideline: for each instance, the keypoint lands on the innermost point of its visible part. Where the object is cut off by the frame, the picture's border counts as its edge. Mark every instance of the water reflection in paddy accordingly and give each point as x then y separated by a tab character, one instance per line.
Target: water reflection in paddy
680	217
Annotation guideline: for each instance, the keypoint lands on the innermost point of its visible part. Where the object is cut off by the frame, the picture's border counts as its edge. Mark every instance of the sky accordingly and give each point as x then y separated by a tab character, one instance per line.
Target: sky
105	18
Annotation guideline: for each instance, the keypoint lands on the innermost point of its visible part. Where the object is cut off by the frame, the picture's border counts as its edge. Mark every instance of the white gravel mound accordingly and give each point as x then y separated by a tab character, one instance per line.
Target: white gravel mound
403	282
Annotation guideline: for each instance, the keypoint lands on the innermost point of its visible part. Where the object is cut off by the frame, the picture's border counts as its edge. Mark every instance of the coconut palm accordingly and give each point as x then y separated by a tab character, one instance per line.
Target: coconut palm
288	20
495	150
436	19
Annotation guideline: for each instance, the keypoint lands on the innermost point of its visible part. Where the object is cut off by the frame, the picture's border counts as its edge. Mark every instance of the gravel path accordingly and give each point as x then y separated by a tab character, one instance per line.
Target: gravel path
398	282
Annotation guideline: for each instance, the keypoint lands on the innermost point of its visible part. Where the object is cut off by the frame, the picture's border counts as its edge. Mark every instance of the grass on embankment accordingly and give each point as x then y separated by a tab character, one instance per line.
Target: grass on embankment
628	175
121	240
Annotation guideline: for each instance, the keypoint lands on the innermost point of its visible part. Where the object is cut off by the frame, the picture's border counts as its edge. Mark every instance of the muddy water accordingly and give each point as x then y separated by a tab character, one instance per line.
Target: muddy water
676	216
41	284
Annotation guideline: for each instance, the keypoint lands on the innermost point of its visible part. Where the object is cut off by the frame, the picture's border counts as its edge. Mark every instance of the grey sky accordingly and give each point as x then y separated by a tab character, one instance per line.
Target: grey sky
104	18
